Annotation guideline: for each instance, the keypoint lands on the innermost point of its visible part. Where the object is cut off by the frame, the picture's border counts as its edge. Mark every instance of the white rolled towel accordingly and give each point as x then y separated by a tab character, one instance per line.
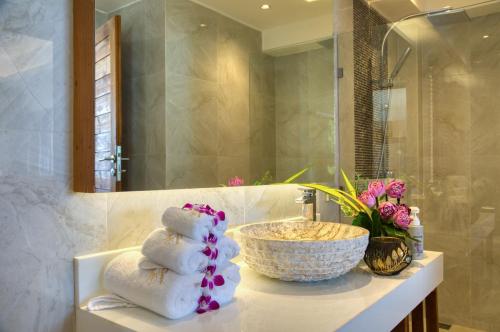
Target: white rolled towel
175	251
163	291
228	249
192	223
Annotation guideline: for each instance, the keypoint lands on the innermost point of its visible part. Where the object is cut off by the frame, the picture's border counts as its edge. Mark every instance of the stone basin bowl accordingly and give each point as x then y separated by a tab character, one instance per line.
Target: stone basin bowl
302	251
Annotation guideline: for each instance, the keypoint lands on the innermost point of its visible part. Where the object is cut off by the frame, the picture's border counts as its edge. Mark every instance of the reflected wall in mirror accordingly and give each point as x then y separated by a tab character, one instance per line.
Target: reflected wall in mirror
217	92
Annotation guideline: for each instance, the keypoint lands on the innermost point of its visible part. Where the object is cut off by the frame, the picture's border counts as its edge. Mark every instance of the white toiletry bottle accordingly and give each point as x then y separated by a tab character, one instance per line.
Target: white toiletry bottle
416	231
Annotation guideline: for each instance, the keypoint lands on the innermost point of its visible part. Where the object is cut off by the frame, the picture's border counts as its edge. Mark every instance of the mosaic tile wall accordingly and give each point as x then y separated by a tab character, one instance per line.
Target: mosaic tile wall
368	31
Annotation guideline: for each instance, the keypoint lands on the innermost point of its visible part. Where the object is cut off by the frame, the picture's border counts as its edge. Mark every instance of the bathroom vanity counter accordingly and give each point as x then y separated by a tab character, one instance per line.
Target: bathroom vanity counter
357	301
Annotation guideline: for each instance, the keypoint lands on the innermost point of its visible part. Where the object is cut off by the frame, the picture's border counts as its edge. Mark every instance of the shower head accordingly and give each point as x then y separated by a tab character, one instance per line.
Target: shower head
450	16
400	63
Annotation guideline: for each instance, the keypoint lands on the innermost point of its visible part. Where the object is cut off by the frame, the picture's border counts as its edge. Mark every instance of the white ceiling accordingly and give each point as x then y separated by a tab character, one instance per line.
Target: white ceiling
282	12
393	10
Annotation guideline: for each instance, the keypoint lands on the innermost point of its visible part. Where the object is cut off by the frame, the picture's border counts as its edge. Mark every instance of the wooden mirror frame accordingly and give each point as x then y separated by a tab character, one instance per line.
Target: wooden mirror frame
83	96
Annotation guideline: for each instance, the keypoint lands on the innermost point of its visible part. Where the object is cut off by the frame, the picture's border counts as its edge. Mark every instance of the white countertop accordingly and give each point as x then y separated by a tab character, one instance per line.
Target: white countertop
357	301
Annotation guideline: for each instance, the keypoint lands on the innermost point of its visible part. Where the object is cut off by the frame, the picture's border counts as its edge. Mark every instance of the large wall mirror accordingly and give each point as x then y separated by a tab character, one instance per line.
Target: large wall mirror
205	93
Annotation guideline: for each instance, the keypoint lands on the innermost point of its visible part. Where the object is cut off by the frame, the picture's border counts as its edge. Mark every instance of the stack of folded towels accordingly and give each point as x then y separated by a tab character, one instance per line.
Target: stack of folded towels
182	268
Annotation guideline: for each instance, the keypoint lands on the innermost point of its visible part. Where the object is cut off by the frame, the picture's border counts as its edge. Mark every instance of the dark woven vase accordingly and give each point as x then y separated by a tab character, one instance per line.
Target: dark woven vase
387	255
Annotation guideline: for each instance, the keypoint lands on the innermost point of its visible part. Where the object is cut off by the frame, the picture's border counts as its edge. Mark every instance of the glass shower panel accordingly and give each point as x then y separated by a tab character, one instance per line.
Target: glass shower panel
443	132
460	72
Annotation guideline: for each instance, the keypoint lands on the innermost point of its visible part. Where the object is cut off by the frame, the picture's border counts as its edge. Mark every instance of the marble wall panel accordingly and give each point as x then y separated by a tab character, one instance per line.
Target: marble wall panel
192	117
133	215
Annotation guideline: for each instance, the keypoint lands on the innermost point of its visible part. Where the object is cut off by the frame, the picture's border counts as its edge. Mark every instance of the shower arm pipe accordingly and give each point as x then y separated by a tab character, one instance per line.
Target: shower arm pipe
428	12
395	24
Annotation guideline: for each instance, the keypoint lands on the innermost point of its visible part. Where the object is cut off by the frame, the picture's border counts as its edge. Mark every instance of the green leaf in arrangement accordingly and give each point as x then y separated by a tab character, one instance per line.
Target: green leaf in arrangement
376	224
347	210
348	184
296	176
391	231
363	220
360	204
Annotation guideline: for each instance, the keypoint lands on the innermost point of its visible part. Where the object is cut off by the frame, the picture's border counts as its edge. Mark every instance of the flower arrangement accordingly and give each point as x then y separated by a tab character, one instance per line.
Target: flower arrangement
377	209
388	216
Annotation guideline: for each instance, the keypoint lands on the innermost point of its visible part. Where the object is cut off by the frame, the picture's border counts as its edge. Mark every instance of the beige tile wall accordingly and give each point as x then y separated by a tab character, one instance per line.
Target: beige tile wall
305	126
220	107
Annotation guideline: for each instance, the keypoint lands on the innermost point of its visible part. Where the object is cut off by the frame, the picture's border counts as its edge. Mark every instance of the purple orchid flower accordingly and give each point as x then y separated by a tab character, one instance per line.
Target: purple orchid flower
211	269
206	209
214	254
205	303
210	239
210	280
221	215
207	251
201	208
219	280
188	206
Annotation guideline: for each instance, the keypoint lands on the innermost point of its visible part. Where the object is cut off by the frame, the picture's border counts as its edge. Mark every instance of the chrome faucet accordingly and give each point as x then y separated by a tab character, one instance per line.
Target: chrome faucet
308	201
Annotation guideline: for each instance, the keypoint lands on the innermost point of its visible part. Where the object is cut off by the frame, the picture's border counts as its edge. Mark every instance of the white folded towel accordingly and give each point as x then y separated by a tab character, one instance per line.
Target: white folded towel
228	249
192	223
161	290
109	301
175	251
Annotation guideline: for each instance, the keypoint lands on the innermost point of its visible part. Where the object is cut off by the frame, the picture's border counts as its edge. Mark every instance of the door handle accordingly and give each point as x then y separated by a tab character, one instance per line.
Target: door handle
118	165
116	159
110	158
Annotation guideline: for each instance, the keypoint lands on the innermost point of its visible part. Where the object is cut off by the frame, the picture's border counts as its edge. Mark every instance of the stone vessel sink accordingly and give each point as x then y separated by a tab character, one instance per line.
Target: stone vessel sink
302	251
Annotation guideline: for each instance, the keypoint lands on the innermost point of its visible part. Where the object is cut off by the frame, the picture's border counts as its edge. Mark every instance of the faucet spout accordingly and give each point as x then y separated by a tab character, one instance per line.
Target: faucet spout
308	201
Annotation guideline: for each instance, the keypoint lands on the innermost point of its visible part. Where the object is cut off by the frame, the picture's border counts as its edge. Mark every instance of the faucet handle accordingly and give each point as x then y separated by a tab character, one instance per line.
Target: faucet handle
307	192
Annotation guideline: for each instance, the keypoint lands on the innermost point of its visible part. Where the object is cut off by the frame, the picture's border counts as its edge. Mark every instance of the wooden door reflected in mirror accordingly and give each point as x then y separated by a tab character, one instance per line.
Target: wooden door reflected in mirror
107	145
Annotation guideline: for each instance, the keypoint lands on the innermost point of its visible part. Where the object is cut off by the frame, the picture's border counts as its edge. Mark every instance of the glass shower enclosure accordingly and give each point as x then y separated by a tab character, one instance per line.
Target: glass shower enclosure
419	99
